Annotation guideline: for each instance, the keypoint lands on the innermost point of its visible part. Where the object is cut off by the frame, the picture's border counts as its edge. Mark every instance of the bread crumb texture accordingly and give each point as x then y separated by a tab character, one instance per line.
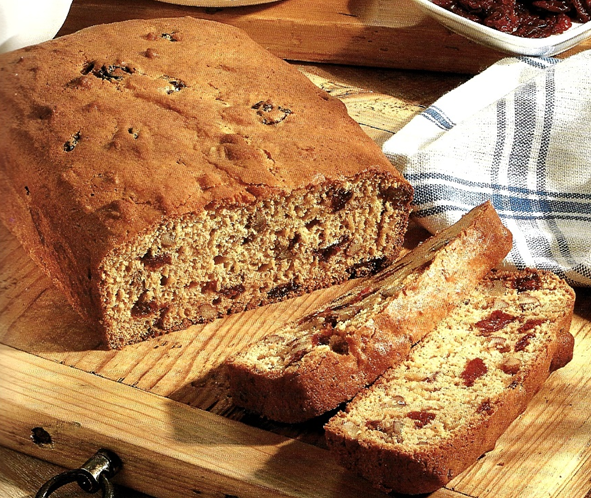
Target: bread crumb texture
336	327
427	410
166	172
310	366
231	259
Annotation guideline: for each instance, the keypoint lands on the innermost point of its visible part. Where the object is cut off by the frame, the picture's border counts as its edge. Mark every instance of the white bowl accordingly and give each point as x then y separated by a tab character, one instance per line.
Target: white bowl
538	47
27	22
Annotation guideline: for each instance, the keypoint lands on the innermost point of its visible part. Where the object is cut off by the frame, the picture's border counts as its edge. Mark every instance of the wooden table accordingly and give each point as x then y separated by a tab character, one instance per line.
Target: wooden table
379	33
163	404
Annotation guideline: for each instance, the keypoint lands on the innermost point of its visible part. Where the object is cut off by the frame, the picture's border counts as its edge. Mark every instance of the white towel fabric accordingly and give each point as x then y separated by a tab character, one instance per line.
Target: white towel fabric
518	134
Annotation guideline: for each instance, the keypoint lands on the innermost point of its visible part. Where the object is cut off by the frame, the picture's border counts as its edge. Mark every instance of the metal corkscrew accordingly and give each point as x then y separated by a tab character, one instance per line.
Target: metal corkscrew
92	476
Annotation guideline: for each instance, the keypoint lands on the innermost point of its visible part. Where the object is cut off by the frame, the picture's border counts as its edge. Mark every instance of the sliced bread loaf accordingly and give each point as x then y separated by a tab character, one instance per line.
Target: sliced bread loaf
311	366
428	419
167	172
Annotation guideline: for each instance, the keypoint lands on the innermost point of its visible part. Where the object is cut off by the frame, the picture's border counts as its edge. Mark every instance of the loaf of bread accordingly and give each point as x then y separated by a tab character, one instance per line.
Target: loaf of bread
312	365
428	419
168	172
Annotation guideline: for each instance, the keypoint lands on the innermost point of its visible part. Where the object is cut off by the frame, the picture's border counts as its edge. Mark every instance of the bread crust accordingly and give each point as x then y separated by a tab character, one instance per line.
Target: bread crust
121	130
446	268
426	468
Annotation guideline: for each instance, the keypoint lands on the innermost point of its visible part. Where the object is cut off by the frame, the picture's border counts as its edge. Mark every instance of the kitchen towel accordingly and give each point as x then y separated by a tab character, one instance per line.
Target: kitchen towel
518	134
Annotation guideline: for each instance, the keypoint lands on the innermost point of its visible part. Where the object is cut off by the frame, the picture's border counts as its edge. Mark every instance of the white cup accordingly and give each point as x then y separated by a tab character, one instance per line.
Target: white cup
27	22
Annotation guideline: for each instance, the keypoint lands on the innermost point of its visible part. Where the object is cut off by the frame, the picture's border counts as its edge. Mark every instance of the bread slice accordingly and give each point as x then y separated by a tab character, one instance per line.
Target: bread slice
167	172
311	366
428	419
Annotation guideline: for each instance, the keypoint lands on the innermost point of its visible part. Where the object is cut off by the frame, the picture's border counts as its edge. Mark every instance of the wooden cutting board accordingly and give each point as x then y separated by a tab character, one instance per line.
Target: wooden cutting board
163	405
383	33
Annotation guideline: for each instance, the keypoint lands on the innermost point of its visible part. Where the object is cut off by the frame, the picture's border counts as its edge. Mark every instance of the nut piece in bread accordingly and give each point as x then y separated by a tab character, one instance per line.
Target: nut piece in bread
309	367
428	419
167	172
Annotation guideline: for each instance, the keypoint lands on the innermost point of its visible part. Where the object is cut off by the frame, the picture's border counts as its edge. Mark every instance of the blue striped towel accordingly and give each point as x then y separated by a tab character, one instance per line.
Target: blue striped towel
519	134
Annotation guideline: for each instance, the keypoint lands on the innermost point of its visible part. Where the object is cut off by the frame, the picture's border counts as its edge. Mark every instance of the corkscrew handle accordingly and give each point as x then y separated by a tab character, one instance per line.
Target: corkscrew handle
91	477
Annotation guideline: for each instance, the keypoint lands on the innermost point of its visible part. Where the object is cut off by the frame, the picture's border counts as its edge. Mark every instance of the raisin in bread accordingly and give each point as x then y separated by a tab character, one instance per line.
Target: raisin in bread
428	419
168	172
312	365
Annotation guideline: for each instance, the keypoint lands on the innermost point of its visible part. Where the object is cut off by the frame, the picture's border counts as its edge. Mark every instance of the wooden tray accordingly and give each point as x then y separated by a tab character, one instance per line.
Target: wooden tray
163	405
381	33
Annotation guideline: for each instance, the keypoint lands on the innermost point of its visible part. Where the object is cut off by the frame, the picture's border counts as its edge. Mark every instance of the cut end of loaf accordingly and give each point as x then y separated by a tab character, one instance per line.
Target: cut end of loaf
228	259
308	367
146	176
434	415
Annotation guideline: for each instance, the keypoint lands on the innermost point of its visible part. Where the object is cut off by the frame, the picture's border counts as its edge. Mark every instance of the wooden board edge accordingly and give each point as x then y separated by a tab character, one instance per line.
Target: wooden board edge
426	45
167	448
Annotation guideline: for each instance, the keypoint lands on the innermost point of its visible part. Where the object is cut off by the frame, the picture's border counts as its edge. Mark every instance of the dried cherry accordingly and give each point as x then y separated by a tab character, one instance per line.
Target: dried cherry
527	283
474	369
153	262
283	290
531	324
369	267
339	198
524	341
523	18
485	407
496	321
421	418
325	253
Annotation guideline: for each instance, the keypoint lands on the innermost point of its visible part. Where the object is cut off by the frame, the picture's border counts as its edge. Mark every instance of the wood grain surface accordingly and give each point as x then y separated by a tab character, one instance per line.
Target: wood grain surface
164	404
381	33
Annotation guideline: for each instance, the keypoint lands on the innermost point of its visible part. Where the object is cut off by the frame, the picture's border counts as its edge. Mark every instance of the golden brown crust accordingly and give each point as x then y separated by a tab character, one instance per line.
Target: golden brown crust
565	343
303	393
111	132
410	468
427	284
